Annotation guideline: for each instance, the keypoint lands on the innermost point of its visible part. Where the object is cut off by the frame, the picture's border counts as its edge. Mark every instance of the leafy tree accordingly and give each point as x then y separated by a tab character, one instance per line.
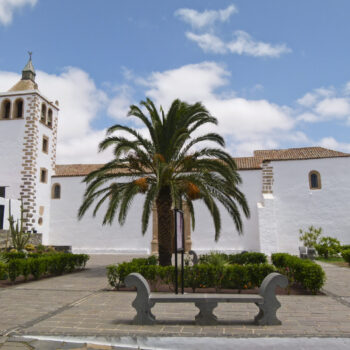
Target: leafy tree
168	167
328	247
310	237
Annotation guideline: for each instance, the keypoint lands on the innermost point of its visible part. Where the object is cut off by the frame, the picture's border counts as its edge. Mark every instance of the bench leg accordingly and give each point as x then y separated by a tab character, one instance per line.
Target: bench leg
268	308
205	315
144	314
267	315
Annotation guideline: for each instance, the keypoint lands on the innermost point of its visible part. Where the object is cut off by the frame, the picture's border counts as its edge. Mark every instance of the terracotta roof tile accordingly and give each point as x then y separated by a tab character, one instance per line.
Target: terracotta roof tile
248	163
243	163
299	153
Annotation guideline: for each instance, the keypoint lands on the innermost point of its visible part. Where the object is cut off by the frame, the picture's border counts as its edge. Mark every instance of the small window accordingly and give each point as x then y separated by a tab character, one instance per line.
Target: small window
6	109
18	110
314	180
49	118
2	191
56	191
45	147
43	175
43	113
40	221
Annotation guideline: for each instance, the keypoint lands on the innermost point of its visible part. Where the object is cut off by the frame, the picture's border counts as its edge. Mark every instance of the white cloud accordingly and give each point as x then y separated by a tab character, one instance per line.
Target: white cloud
7	80
83	149
242	44
8	7
308	117
208	42
80	100
242	121
206	18
347	88
119	105
333	107
307	100
324	104
332	143
80	104
193	82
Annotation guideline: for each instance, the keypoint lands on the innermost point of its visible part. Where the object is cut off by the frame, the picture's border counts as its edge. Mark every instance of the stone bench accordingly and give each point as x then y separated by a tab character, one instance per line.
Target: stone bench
266	301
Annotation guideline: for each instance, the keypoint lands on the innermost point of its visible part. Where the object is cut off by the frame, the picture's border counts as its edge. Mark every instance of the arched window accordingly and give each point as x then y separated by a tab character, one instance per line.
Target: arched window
56	191
18	109
314	180
43	113
6	109
49	118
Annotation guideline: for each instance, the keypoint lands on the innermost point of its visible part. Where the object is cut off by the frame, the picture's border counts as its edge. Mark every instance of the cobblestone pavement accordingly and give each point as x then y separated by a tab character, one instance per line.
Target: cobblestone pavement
81	305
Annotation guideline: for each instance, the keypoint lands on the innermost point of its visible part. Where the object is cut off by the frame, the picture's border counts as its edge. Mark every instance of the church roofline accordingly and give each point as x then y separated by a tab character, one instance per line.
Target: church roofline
243	163
302	153
28	92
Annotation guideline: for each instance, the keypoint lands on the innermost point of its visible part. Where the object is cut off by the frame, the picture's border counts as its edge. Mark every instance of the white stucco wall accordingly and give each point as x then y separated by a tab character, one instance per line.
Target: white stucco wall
267	224
88	235
11	145
230	241
15	210
43	190
296	206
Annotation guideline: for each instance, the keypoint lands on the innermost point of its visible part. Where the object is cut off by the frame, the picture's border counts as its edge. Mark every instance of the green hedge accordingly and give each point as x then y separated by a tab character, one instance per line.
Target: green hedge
306	272
197	276
346	255
55	264
22	255
241	259
3	271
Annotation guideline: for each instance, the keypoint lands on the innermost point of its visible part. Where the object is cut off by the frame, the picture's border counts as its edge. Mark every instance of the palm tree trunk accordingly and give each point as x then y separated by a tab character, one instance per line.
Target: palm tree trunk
165	223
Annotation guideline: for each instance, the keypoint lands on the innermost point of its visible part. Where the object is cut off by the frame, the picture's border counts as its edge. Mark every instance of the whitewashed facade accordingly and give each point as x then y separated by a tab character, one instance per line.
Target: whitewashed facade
281	192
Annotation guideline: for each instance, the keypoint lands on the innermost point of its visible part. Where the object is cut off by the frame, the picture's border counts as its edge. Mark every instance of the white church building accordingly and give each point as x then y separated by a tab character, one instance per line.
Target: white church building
287	190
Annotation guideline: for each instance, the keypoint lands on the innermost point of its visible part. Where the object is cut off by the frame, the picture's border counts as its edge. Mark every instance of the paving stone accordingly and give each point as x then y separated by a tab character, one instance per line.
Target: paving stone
75	305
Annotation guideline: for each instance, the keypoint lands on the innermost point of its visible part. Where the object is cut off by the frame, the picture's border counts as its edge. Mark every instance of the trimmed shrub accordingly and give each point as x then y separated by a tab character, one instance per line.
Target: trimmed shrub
14	255
41	265
216	258
198	276
3	271
248	258
346	255
309	274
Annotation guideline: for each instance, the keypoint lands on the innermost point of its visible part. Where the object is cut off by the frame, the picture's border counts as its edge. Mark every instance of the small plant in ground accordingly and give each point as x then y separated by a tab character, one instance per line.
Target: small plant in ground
19	237
328	247
29	247
310	237
214	258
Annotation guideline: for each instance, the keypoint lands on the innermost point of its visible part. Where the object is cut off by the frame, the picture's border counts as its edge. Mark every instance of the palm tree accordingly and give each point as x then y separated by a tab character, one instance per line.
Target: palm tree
169	168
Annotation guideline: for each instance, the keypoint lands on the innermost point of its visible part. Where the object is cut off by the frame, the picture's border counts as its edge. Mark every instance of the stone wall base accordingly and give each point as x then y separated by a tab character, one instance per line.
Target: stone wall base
36	239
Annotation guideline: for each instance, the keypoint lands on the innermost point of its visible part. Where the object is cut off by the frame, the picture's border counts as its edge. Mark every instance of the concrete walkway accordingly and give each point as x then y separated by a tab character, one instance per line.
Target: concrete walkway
338	282
81	305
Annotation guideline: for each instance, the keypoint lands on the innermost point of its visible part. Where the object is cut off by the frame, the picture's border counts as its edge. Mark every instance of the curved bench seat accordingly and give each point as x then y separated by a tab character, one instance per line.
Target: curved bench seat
266	300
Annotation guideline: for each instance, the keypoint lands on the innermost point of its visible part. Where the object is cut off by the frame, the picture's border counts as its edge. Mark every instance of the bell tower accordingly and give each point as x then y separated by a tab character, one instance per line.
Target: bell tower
28	138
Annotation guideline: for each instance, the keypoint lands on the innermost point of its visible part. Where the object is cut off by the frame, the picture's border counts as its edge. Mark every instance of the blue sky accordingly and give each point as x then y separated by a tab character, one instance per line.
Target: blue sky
275	73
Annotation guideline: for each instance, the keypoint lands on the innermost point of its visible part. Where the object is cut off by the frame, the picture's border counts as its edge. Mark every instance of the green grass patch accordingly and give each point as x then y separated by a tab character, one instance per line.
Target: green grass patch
335	260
